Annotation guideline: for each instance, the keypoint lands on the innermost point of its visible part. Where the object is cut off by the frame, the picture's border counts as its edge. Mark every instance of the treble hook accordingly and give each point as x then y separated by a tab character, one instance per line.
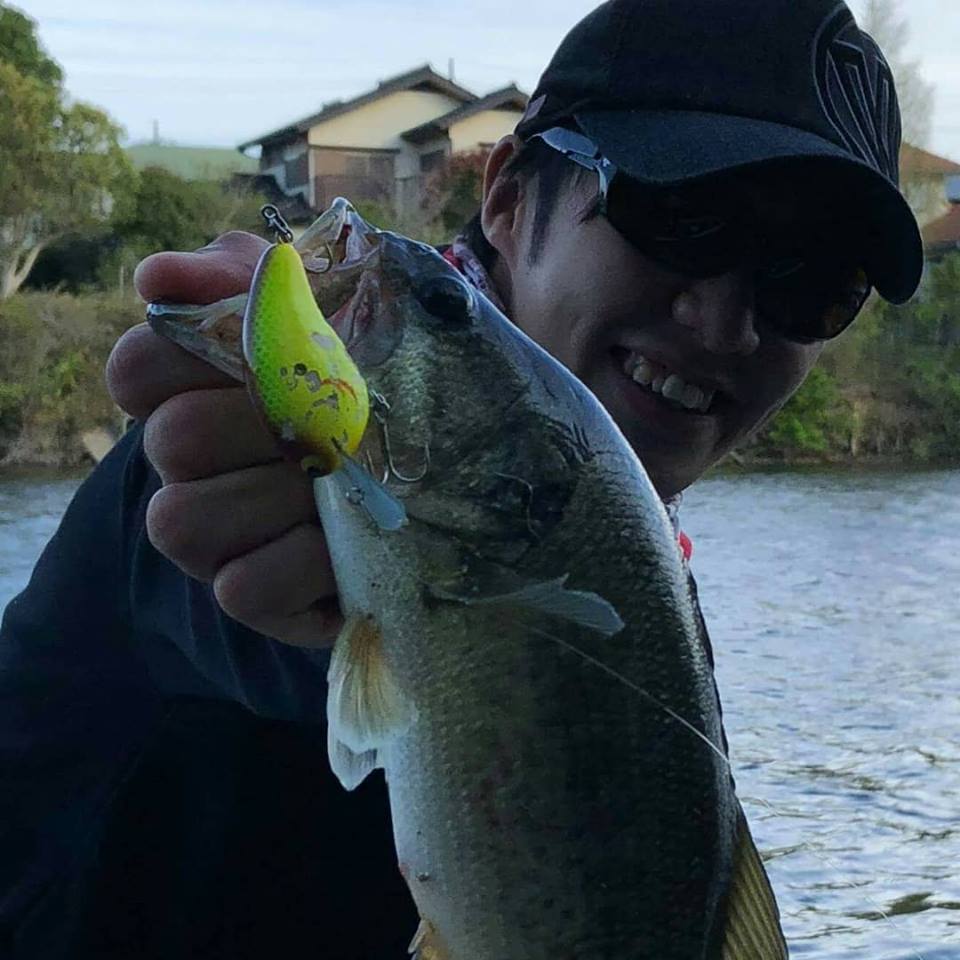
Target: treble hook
381	409
329	265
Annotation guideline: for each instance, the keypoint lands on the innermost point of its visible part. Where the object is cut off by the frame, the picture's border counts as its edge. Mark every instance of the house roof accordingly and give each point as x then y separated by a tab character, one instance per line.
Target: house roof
915	162
423	78
507	98
943	233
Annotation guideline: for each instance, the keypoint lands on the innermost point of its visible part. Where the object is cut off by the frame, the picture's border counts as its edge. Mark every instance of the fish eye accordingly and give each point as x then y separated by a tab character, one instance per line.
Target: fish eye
446	298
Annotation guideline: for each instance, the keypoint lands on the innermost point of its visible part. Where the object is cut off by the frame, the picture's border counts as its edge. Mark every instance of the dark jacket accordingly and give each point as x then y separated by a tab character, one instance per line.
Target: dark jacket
164	787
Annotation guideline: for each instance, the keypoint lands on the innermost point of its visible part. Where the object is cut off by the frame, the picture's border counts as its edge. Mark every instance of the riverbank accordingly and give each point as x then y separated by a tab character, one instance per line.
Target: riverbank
53	349
886	392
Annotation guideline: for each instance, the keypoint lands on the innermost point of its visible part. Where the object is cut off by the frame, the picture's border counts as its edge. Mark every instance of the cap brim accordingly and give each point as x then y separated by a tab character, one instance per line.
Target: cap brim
663	147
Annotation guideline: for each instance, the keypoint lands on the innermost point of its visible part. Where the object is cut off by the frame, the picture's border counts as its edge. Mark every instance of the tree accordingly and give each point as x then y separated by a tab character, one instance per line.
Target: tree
452	194
19	48
61	166
882	20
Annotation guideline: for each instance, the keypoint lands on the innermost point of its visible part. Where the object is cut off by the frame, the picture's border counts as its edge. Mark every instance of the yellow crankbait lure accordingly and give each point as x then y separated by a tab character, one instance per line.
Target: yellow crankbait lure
300	375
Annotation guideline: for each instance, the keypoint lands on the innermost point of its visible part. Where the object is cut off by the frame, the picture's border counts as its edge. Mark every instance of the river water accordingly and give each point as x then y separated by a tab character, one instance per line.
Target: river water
833	601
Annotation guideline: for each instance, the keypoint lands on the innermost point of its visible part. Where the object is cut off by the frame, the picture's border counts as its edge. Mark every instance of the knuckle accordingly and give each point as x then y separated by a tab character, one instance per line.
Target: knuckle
173	527
234	589
168	432
125	367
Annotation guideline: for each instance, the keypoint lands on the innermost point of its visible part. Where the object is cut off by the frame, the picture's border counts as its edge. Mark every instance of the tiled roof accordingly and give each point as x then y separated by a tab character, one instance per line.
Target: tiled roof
921	163
509	98
422	78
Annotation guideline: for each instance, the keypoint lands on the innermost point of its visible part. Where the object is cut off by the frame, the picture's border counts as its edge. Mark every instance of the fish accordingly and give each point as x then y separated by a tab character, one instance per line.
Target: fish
521	654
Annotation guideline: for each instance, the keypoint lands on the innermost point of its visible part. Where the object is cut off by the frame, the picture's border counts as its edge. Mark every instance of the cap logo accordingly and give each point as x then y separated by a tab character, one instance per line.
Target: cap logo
857	93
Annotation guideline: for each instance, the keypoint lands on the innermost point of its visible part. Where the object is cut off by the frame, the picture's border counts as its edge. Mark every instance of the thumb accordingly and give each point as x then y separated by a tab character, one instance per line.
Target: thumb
220	269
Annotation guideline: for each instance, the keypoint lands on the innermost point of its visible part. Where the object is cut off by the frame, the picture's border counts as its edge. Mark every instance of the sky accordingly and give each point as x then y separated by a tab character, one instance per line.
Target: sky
221	72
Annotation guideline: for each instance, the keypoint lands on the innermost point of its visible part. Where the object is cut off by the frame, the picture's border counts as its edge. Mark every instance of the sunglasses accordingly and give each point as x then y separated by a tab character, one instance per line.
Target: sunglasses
806	289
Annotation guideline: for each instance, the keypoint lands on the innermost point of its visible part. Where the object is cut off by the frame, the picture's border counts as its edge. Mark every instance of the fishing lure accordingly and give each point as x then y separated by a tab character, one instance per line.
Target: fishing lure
303	381
298	371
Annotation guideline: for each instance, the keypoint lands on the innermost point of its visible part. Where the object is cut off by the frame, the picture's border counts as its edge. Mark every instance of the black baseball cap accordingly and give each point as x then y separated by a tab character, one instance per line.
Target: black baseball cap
677	90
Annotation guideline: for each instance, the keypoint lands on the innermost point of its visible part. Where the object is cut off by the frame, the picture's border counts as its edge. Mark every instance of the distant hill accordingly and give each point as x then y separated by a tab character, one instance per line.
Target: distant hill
192	163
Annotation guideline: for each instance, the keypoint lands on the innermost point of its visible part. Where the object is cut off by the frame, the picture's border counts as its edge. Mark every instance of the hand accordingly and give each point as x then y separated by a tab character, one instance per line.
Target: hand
231	511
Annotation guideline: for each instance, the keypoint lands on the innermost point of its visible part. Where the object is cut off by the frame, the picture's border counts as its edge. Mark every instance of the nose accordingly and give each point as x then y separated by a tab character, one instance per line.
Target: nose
722	311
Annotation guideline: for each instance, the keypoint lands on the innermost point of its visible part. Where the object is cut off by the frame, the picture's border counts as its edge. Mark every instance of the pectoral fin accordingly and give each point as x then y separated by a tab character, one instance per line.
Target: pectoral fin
550	597
365	706
753	919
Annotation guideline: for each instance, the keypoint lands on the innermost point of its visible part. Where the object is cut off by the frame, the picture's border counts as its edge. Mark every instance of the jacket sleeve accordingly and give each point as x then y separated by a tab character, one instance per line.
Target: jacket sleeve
106	634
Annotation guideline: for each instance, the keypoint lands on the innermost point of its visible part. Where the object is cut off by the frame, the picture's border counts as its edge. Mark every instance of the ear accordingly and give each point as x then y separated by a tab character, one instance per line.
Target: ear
501	208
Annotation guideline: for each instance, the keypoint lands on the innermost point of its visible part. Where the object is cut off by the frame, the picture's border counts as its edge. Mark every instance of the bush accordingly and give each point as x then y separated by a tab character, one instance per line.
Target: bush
53	347
815	420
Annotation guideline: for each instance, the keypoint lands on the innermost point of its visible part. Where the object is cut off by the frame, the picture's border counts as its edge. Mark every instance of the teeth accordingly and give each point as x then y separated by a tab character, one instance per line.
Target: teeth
644	373
670	385
673	388
692	397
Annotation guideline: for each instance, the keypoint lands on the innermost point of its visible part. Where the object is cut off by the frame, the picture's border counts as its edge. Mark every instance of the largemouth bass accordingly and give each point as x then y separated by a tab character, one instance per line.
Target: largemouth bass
521	656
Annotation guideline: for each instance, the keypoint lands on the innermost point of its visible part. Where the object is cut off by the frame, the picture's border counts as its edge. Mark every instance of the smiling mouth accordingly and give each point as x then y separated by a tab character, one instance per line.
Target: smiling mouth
653	378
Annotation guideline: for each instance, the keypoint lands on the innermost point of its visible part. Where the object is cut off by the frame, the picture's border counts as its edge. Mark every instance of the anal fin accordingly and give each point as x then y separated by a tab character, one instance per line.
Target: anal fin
752	929
426	944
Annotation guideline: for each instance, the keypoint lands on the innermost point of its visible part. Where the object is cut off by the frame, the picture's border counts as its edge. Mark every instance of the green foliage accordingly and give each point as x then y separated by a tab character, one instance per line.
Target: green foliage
61	166
164	212
20	48
53	348
453	193
889	386
813	420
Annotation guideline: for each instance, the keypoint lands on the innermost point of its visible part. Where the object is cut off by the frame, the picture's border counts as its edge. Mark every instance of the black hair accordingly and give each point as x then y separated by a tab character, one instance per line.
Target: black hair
551	171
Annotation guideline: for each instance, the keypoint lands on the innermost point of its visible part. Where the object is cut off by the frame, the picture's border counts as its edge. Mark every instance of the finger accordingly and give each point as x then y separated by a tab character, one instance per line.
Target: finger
205	433
145	369
284	589
221	269
201	525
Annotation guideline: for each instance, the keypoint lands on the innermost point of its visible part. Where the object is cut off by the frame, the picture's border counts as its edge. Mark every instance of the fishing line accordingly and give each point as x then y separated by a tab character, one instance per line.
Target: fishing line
837	871
826	861
638	689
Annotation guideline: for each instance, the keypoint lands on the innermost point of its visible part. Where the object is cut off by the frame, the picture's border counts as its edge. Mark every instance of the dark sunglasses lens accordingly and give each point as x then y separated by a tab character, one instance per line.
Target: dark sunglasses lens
814	301
687	232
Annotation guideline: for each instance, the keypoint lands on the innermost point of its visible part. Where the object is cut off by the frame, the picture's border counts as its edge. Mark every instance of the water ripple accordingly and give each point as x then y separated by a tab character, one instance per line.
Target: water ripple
835	626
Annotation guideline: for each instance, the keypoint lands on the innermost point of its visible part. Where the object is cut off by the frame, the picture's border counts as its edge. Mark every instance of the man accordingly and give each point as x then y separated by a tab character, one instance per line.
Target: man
698	196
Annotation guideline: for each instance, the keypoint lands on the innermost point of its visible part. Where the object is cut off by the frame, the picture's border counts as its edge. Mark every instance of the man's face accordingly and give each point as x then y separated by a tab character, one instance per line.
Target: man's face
614	317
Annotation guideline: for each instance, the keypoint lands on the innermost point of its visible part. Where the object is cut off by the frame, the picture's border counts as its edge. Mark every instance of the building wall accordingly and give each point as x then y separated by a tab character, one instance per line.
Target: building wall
379	124
290	166
481	129
352	173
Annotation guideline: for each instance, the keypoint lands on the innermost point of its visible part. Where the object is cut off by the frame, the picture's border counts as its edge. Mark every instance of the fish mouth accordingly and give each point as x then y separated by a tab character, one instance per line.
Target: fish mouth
336	251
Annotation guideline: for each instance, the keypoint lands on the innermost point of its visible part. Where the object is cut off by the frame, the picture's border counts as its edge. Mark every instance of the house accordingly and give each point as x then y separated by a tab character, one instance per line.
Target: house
381	145
930	183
